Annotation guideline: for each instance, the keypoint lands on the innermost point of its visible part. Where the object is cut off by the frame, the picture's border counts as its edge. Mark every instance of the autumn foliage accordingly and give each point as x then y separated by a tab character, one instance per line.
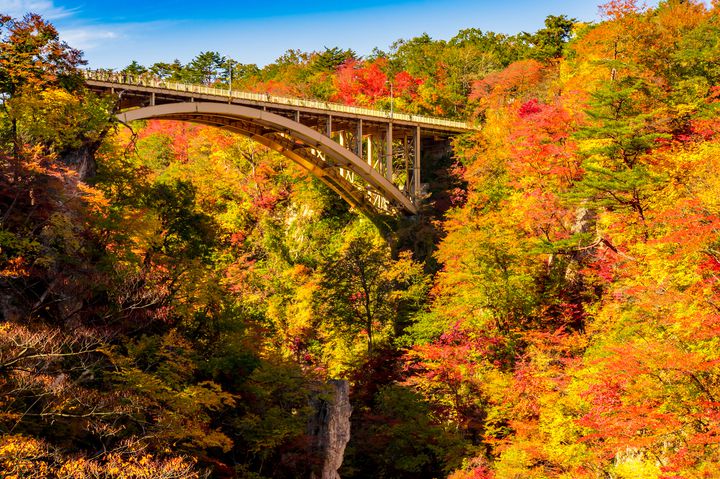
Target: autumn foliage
585	248
173	297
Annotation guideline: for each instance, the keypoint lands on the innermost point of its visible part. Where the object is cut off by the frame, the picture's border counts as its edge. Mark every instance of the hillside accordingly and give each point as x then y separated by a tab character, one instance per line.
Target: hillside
174	298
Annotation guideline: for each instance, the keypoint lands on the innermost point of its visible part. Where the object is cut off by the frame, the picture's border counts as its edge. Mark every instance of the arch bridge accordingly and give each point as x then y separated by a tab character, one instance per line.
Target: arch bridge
371	158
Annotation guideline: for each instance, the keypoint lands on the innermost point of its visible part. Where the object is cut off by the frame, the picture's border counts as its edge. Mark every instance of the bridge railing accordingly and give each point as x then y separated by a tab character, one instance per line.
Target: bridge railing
146	81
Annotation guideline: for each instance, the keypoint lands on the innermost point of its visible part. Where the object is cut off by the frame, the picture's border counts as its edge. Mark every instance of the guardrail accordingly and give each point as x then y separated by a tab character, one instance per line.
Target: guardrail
148	81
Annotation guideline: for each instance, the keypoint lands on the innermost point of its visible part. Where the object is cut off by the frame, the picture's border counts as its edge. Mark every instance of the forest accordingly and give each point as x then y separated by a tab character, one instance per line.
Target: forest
173	296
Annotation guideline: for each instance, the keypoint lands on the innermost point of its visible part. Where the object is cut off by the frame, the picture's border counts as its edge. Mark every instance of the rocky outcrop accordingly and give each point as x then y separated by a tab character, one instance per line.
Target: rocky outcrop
82	160
330	429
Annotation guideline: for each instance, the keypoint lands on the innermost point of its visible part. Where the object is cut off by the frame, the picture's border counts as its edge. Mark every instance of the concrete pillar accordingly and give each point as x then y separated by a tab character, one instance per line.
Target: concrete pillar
406	157
388	153
370	151
416	164
359	139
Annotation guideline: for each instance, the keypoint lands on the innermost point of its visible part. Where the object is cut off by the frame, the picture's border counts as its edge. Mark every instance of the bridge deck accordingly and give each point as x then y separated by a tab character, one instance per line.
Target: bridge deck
110	80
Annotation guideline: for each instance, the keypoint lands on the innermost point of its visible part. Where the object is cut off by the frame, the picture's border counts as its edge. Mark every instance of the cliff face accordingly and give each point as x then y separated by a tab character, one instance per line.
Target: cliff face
330	428
82	159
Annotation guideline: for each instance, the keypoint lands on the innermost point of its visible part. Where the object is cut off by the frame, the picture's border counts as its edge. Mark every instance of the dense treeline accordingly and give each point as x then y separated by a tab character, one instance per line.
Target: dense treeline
173	296
420	75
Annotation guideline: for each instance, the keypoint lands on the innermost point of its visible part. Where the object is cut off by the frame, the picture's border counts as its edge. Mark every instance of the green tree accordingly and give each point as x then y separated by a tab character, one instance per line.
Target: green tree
624	127
365	290
399	439
205	68
134	69
331	58
549	42
169	71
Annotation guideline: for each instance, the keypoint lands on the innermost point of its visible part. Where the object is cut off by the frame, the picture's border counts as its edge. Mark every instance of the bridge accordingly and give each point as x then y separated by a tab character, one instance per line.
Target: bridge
371	158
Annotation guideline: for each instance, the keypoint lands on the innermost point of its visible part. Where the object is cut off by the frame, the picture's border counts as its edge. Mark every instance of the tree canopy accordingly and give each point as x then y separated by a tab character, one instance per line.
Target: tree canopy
174	297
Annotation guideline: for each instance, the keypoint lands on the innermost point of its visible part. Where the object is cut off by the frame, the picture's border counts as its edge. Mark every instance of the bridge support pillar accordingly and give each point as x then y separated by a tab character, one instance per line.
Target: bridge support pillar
406	157
416	166
370	151
389	153
328	129
359	139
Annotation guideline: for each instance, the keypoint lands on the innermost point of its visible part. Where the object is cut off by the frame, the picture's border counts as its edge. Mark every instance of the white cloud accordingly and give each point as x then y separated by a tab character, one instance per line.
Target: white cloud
72	30
87	38
46	8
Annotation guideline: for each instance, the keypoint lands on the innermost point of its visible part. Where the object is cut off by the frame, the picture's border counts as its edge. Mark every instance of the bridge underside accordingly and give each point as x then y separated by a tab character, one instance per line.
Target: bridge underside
352	177
371	158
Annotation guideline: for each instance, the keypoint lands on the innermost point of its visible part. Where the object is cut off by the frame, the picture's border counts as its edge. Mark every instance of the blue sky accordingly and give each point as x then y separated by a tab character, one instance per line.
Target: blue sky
113	33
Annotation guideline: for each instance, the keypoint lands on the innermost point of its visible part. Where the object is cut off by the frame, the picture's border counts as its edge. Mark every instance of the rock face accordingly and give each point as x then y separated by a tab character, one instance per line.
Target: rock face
82	160
330	429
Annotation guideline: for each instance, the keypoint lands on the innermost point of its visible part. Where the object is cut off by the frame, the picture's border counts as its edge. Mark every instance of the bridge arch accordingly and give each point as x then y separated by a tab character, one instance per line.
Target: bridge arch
313	151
